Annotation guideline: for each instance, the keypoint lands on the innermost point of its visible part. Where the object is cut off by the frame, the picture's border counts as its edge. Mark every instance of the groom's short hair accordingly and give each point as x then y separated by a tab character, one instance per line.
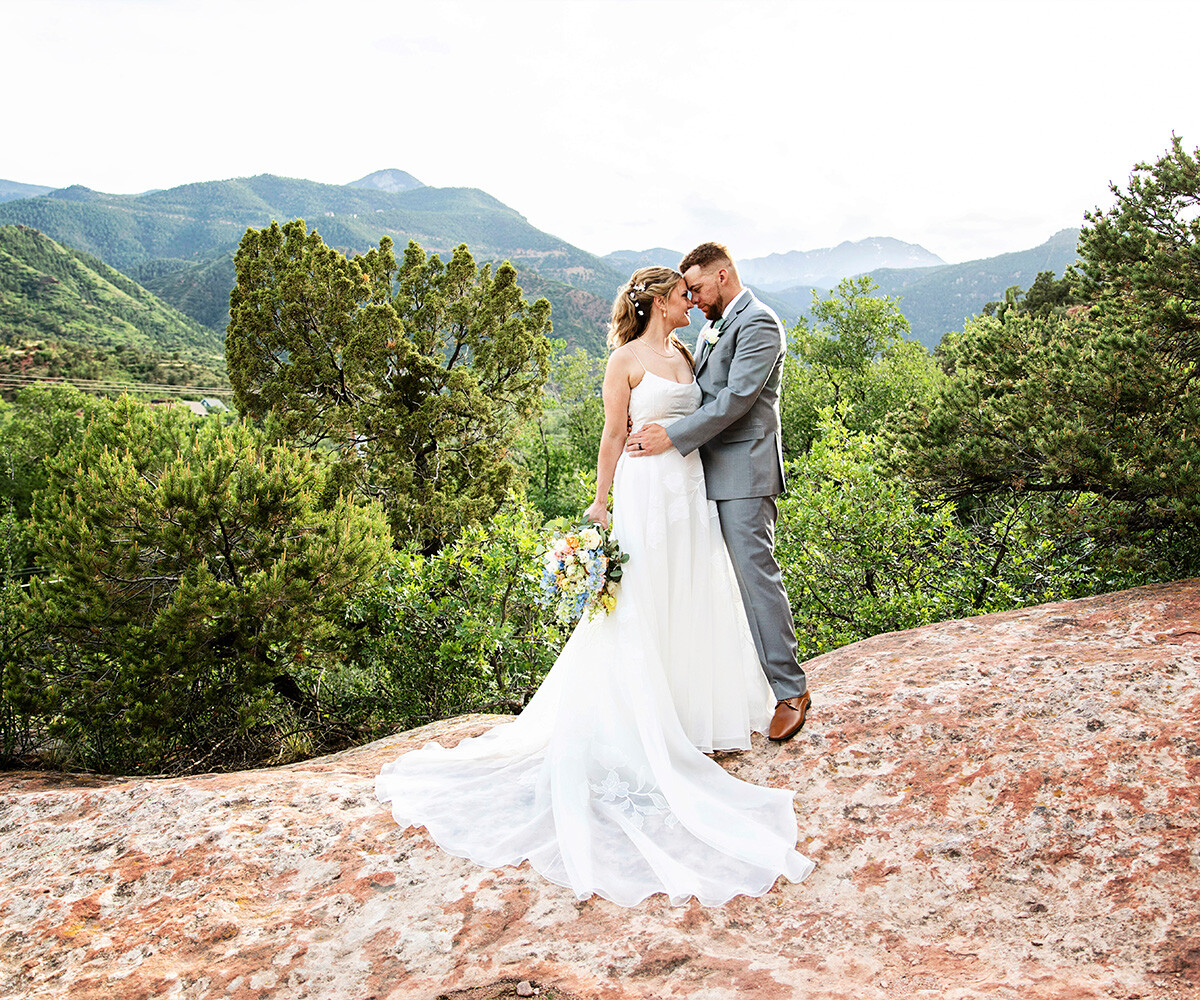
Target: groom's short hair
707	255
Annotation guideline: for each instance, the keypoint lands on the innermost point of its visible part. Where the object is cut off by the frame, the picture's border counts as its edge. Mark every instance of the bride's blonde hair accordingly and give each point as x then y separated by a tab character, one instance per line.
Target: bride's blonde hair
631	307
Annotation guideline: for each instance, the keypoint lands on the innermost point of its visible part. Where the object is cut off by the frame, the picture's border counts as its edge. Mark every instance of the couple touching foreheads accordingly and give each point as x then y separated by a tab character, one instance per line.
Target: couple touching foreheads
603	782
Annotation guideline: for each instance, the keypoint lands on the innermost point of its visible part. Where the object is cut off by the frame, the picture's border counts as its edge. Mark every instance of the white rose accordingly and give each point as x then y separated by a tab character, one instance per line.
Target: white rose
590	538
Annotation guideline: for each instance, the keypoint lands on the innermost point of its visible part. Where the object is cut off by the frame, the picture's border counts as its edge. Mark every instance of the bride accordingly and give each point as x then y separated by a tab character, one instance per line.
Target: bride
602	782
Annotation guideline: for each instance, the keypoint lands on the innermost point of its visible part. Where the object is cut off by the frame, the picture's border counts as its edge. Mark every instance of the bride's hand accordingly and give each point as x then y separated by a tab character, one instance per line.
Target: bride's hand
597	513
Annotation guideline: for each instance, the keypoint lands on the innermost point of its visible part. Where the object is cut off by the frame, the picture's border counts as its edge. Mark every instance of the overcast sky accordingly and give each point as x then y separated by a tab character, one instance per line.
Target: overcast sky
970	127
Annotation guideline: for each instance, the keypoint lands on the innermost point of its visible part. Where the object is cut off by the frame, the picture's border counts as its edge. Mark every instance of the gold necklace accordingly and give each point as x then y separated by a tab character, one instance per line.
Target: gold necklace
660	353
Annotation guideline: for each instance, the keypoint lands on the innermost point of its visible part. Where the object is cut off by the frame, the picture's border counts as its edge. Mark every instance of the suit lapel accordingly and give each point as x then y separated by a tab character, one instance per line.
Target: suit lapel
727	327
704	348
735	316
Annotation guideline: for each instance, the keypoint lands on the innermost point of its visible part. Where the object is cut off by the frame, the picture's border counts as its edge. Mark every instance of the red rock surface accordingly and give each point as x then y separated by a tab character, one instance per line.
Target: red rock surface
1000	807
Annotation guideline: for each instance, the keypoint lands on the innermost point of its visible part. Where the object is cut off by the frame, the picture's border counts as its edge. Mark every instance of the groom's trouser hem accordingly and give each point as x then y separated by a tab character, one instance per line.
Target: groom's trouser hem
749	528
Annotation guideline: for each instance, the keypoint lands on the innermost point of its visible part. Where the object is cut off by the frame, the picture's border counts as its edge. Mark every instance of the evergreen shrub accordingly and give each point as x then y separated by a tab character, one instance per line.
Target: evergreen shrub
189	568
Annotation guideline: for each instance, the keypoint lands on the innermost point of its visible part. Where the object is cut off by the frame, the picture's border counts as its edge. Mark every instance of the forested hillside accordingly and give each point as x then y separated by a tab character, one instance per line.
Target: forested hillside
936	300
180	241
11	190
200	290
65	313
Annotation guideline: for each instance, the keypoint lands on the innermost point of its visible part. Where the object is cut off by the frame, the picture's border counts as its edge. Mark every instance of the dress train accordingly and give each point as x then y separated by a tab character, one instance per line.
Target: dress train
600	783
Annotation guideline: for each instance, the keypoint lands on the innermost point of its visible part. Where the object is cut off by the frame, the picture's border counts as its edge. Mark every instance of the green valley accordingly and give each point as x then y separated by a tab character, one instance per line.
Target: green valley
64	313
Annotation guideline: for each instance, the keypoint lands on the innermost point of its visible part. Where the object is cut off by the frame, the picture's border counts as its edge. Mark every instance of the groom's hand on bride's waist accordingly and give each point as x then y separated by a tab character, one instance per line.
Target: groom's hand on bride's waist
650	440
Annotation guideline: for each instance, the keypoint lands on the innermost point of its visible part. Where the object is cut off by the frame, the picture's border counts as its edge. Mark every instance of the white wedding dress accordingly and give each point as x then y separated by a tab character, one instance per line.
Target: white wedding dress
600	782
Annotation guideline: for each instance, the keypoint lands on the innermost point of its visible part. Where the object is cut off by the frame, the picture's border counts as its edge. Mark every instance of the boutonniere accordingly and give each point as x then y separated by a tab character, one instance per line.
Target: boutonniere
713	334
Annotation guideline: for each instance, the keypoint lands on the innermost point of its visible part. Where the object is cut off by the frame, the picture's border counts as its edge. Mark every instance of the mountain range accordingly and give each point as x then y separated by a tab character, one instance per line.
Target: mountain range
936	300
825	268
935	297
179	243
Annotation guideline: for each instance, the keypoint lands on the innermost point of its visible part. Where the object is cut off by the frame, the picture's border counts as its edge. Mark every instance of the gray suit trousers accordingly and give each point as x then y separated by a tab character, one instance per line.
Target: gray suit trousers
748	525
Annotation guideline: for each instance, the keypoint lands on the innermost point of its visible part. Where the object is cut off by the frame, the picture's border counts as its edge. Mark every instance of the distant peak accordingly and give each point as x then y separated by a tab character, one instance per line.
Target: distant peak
76	192
825	267
391	180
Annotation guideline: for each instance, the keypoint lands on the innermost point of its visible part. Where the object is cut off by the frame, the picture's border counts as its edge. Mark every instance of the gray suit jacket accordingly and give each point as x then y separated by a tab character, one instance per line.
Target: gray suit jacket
737	426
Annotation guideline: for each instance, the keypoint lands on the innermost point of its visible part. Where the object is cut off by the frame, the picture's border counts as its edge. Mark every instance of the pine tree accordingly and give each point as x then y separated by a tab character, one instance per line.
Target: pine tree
1100	401
418	375
190	566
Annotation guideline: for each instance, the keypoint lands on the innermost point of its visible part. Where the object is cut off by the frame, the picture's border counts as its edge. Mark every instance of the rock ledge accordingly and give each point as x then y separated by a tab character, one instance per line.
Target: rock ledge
1001	807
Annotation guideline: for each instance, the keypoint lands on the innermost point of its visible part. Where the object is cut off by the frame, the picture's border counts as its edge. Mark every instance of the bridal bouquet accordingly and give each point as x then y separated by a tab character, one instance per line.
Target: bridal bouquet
581	569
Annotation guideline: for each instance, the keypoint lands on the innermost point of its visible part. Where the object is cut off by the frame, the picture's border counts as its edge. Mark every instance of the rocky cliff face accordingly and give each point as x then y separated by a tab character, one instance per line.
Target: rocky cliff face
1006	807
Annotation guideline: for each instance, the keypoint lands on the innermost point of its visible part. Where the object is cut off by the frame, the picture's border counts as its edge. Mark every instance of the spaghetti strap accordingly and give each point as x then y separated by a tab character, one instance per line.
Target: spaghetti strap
645	370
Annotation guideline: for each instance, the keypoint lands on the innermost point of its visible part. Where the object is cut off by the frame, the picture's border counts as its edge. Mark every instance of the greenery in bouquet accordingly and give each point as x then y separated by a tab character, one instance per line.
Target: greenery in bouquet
581	569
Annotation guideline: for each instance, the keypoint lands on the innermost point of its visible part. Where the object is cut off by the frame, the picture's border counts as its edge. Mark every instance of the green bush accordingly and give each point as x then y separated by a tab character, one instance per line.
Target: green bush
557	449
40	422
21	730
854	358
462	630
863	553
190	568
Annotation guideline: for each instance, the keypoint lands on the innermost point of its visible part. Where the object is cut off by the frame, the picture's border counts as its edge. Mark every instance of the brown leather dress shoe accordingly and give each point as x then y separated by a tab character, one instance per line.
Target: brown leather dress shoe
788	718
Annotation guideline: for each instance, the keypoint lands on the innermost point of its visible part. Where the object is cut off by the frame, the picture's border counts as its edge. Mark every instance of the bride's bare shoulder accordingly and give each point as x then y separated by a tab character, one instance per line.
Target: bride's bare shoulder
624	363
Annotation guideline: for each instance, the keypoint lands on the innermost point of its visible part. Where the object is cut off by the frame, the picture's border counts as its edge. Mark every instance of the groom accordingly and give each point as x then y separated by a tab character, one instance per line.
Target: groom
739	367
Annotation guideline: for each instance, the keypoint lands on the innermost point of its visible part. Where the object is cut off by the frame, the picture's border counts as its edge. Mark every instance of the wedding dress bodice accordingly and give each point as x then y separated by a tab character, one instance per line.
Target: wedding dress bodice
658	400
